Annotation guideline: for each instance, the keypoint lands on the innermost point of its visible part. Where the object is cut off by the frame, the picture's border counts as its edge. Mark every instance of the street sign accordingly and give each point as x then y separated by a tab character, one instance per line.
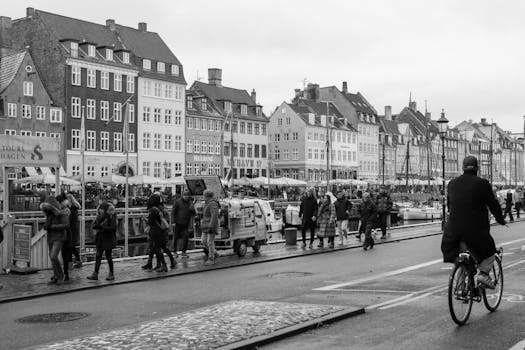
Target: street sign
29	151
22	243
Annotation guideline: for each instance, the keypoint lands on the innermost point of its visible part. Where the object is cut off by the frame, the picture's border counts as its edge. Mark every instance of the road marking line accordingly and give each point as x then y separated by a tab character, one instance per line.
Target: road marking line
507	253
374	290
514	264
381	275
414	298
512	242
447	268
404	297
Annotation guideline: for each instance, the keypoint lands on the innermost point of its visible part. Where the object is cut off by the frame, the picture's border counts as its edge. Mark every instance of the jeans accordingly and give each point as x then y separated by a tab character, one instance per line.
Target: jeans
181	233
309	225
208	241
508	211
382	222
369	240
486	265
98	259
54	249
341	227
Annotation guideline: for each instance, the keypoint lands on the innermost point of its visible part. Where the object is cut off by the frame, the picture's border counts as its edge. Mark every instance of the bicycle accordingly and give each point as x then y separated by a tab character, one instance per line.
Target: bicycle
463	289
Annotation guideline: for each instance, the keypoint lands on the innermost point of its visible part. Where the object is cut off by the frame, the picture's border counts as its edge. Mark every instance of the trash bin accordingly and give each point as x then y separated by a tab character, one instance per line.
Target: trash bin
290	235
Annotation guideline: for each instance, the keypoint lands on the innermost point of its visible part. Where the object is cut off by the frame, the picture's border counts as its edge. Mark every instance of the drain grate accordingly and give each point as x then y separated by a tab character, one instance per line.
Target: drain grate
54	317
289	274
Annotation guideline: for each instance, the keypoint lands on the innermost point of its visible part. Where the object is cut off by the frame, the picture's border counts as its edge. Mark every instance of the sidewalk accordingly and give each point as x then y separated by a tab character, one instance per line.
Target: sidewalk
128	270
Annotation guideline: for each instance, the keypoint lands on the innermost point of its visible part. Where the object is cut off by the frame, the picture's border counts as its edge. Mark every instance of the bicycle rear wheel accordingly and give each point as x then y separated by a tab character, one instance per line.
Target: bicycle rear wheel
459	295
492	297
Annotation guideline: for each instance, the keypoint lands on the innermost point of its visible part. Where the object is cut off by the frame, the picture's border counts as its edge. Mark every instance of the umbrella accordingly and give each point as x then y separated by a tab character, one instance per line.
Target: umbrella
46	180
87	178
113	180
178	180
146	180
243	181
261	181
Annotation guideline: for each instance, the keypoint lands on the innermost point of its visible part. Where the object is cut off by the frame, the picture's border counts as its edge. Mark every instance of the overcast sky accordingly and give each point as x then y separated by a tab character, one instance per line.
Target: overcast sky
466	56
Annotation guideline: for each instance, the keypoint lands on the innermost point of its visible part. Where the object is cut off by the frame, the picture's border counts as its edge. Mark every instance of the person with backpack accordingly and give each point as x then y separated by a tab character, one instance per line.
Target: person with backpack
384	206
105	239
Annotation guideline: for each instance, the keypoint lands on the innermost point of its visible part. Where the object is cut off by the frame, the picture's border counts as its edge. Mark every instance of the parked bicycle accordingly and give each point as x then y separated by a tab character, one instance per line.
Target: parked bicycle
463	289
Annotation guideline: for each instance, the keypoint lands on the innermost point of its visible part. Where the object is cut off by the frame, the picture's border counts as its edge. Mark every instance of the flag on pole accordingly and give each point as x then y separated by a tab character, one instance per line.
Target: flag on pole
125	131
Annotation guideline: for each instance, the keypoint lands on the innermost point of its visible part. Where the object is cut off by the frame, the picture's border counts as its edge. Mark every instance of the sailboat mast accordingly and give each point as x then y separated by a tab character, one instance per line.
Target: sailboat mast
408	160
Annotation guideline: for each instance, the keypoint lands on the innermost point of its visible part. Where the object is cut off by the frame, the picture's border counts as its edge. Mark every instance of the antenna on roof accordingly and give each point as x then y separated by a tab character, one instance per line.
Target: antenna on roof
410	98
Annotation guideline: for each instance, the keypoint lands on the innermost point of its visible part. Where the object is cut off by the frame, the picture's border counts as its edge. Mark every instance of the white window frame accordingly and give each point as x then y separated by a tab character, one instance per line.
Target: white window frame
244	109
117	111
157	112
28	88
10	132
131	113
104	110
117	142
76	104
73	49
75	139
146	140
55	135
161	67
157	141
104	141
91	109
55	115
109	54
76	75
26	111
168	116
130	84
91	140
175	69
117	82
146	64
168	144
25	133
178	143
92	52
12	110
125	57
178	118
91	77
40	133
104	80
131	142
146	114
40	113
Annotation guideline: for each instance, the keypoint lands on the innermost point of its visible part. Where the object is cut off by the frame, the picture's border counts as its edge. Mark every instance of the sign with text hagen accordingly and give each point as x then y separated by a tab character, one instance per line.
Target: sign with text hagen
29	150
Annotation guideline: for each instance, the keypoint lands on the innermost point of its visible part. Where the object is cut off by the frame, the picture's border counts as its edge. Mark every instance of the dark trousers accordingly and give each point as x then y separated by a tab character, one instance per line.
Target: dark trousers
180	234
54	249
508	211
309	225
76	253
66	253
369	240
382	221
98	259
518	207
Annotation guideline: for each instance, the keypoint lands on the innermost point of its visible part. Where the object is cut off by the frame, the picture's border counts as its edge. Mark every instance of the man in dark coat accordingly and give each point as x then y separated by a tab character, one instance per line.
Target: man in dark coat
468	198
181	215
308	212
342	212
384	206
508	206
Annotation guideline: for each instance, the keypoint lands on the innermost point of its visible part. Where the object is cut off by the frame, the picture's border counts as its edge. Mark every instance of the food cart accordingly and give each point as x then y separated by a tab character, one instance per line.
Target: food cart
242	222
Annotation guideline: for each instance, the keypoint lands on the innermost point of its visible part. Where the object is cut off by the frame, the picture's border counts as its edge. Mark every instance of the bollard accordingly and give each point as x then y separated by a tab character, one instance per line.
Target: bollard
290	235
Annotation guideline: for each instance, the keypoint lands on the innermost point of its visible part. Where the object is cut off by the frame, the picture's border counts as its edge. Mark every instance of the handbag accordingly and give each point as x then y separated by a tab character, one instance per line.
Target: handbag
164	224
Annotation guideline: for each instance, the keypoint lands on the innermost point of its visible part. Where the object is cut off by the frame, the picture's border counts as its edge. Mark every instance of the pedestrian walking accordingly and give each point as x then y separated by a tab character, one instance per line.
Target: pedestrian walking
183	210
158	227
342	211
67	251
326	220
307	213
368	219
165	227
105	239
518	201
508	207
209	224
384	206
57	226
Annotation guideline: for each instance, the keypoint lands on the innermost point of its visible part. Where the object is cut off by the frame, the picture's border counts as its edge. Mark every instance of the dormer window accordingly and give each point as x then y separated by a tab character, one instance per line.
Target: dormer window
91	50
161	67
227	106
74	49
109	54
204	104
244	109
174	69
258	111
189	102
146	64
125	57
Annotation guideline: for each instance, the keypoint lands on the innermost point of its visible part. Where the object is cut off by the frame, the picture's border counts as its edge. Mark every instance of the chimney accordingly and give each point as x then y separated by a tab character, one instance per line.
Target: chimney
483	121
427	115
110	23
345	87
412	105
313	92
30	12
215	76
5	26
143	26
388	112
254	96
298	93
311	118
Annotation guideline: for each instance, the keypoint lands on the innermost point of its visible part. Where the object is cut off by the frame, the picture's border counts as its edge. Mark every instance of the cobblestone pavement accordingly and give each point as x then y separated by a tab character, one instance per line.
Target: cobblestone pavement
16	287
206	328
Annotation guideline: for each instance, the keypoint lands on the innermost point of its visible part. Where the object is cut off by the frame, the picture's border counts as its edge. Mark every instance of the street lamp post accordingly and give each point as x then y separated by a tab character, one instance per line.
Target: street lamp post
443	127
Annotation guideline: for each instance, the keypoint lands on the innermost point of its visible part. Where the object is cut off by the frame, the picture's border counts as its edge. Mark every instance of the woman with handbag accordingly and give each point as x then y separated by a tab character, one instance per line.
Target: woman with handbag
105	239
326	220
158	231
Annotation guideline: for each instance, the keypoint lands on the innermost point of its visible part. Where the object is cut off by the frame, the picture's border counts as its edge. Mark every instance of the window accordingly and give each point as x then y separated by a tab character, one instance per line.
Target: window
217	148
277	137
203	104
104	110
104	171
91	140
189	123
286	154
156	115
91	50
26	111
11	110
167	142
310	153
256	129
117	142
295	136
55	115
28	88
167	170
286	136
242	131
131	142
125	57
146	140
202	124
109	54
75	107
295	154
263	129
161	67
189	169
90	109
130	84
90	170
104	80
147	88
189	102
279	122
157	89
75	139
156	169
218	126
40	134
179	93
73	49
156	141
146	64
40	112
249	128
189	146
178	117
131	111
288	120
75	170
316	153
249	151
104	141
178	169
263	151
244	109
174	69
75	75
117	82
146	112
277	154
167	116
117	111
197	147
55	135
25	133
204	147
91	78
145	168
178	143
226	149
10	132
256	151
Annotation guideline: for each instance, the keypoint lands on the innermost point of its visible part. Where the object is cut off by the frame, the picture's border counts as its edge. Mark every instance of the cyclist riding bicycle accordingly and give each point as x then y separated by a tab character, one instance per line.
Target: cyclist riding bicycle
468	198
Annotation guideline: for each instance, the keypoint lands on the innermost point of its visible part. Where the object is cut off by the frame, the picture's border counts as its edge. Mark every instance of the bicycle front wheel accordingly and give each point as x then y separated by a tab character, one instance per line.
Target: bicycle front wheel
492	297
459	295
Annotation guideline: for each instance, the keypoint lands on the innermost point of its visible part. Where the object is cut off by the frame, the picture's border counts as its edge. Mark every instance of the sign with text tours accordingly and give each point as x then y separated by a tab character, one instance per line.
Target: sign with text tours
29	150
22	243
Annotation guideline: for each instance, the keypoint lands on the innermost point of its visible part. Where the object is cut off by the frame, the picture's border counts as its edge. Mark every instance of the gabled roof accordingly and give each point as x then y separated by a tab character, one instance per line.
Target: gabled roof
196	107
359	103
146	44
9	66
223	93
72	28
304	107
388	126
417	121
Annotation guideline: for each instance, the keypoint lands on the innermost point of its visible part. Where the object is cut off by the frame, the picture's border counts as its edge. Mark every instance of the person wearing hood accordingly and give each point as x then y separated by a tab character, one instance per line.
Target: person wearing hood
368	212
209	224
57	226
105	239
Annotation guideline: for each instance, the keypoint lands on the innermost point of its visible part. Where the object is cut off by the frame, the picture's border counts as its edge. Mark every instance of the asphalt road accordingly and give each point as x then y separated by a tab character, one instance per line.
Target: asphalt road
351	277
